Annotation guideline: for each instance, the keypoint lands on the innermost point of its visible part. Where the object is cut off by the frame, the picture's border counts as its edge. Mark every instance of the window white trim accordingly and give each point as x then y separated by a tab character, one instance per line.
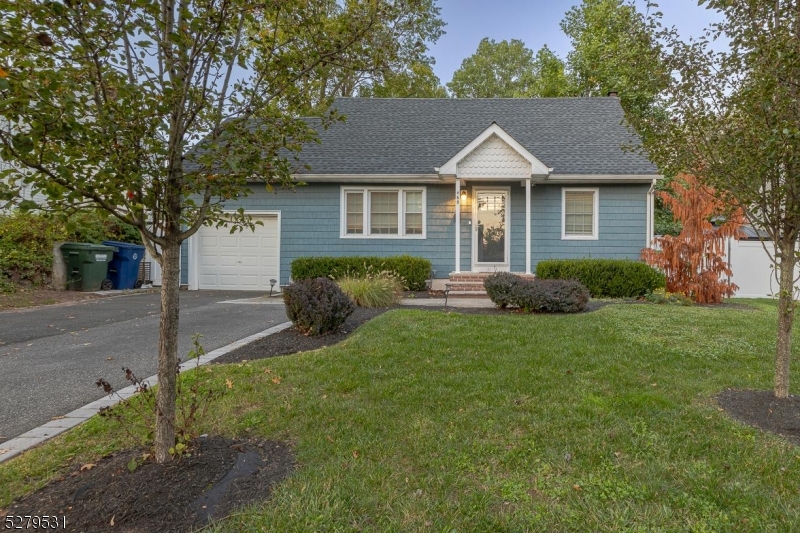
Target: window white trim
595	214
401	212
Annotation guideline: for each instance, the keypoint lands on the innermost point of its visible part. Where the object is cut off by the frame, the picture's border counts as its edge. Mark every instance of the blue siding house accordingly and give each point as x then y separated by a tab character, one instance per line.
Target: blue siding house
473	185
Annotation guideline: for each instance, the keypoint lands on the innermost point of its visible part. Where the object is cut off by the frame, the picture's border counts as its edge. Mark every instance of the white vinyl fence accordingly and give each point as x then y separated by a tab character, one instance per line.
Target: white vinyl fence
752	269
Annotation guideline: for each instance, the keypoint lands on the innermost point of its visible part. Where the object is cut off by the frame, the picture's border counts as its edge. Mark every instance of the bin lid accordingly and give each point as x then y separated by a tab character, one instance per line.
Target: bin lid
86	246
119	244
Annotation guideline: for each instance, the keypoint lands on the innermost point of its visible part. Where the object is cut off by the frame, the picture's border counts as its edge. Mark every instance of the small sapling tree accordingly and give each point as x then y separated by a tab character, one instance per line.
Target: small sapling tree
101	103
694	260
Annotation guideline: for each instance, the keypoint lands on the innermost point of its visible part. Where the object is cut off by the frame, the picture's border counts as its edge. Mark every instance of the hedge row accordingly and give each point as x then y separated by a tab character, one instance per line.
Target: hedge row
536	295
605	278
413	271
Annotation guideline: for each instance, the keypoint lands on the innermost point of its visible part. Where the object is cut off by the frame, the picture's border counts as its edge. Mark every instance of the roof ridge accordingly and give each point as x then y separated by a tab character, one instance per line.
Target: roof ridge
453	99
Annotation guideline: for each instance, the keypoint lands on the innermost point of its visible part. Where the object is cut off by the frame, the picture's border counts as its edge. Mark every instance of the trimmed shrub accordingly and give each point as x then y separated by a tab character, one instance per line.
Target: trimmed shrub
373	290
550	296
499	286
412	271
605	278
317	305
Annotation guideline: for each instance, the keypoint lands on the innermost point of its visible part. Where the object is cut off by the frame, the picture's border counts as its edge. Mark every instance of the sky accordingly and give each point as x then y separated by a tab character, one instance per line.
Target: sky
536	23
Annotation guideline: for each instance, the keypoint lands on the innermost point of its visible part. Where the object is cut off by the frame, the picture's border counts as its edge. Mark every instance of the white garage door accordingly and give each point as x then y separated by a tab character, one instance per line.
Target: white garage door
244	260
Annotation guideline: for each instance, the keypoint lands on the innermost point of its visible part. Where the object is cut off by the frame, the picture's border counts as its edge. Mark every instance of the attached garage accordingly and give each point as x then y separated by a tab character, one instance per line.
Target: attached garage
244	260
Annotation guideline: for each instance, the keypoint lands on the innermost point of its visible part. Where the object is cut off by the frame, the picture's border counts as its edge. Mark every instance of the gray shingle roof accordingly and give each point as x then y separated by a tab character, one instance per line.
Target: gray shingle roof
412	136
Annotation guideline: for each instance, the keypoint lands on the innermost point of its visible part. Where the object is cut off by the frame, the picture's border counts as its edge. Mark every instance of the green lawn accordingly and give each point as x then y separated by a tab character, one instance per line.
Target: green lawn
425	421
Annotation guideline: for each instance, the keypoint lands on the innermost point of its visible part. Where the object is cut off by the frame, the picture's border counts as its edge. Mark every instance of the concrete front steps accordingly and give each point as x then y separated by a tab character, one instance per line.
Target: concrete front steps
470	284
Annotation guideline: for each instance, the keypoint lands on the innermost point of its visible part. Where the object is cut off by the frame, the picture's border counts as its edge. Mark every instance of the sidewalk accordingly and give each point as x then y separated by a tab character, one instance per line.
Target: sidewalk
472	303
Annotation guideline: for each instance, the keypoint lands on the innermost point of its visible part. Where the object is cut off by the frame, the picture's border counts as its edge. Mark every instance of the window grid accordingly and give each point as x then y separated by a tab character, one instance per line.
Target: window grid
354	213
382	212
413	212
579	213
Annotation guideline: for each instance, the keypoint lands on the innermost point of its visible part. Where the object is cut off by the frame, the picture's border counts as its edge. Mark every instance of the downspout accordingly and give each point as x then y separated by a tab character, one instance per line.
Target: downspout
651	214
528	226
458	225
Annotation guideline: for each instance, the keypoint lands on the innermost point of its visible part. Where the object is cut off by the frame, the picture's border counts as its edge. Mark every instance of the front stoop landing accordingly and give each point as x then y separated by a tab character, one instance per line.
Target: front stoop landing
470	284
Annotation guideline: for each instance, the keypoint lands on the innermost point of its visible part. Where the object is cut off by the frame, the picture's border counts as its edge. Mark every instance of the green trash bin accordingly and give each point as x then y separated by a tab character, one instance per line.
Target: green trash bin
87	266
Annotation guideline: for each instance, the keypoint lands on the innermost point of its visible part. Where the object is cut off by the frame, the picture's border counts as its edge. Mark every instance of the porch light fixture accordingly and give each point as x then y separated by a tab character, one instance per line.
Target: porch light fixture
463	196
272	283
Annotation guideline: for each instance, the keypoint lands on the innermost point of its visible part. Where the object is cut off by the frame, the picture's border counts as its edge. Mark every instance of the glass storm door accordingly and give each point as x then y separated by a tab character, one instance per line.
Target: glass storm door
490	233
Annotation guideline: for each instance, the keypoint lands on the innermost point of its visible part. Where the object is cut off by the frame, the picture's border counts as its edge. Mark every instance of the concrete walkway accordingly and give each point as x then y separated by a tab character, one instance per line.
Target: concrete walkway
473	303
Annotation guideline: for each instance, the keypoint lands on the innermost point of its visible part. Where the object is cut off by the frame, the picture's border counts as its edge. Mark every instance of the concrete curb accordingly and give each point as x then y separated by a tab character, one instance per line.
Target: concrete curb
26	441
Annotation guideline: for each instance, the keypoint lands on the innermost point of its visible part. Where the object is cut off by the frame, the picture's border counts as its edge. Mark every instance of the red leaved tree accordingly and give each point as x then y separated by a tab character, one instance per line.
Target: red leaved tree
694	261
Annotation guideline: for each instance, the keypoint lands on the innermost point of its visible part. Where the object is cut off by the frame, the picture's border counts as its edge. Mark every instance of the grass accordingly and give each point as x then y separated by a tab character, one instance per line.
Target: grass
426	421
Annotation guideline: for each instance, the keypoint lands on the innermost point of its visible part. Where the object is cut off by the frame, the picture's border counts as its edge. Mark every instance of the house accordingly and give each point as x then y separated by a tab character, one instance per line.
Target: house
522	180
22	191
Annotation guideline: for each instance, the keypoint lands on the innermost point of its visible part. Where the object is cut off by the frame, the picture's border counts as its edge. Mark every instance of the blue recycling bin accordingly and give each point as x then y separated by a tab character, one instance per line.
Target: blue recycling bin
123	270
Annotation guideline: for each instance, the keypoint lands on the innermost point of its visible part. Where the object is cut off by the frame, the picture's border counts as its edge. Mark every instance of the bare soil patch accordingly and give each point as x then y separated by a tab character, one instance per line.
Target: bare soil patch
219	476
25	298
761	409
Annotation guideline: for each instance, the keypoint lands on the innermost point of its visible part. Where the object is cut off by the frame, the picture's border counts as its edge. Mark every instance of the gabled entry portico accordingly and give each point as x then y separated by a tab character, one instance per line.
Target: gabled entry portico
493	156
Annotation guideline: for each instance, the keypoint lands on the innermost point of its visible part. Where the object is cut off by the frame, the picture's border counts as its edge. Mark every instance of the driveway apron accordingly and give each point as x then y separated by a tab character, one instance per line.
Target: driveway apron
50	357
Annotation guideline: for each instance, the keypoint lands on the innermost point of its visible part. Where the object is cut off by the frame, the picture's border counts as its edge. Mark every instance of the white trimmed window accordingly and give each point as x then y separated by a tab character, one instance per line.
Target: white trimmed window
579	208
383	212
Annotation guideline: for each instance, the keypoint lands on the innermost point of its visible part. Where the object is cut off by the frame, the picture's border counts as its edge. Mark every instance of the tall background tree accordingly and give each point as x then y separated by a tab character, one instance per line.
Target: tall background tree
102	101
415	81
736	125
510	70
614	48
392	63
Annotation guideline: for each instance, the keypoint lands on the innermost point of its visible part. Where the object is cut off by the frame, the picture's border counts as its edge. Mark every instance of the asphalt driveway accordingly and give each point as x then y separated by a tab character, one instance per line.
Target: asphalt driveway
50	357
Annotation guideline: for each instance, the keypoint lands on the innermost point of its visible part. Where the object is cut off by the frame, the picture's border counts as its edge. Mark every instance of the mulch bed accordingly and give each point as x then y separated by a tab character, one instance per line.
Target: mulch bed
291	341
761	409
220	476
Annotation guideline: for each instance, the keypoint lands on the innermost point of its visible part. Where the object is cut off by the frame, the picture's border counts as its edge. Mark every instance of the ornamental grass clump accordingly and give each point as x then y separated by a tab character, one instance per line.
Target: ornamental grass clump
317	305
381	289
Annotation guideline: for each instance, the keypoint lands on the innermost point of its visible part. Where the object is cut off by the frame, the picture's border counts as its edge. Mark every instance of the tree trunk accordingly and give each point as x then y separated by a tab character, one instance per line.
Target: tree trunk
167	351
786	306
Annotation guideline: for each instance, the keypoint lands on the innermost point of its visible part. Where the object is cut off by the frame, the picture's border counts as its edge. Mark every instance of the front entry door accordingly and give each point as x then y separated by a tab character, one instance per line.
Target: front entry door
490	235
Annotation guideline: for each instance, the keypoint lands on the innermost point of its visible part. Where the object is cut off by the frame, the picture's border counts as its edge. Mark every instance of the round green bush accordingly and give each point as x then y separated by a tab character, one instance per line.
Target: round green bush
550	296
317	305
499	286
